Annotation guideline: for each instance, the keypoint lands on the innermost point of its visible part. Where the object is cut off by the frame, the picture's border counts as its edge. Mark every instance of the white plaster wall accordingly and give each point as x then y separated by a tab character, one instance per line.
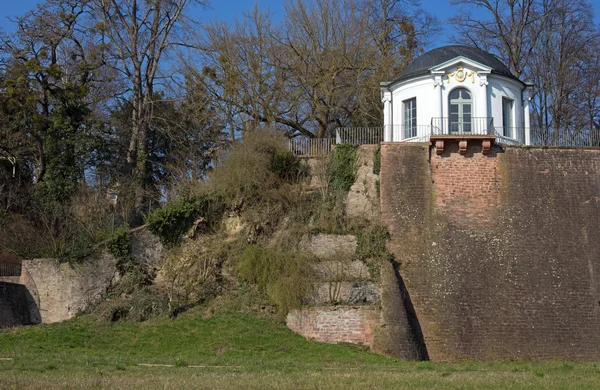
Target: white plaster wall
423	89
500	87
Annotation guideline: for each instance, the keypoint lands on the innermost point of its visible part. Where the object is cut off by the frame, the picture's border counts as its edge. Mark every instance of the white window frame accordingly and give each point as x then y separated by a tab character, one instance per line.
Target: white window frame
507	128
409	107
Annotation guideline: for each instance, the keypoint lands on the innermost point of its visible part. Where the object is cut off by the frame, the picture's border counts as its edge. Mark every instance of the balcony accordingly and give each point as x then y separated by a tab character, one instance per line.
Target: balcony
455	126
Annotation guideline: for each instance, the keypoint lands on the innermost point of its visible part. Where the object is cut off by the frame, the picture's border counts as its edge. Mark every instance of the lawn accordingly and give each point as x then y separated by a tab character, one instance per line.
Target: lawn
234	350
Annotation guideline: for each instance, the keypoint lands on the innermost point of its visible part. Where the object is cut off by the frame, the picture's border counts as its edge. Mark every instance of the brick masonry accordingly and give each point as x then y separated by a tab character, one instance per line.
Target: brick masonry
500	253
336	324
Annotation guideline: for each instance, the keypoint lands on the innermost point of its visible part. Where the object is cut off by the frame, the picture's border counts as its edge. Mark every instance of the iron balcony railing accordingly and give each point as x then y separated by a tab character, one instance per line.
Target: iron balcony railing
458	126
584	137
310	146
359	135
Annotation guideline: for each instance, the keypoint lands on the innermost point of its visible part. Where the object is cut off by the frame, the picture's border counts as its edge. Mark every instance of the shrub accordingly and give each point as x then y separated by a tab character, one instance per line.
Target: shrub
245	172
142	305
173	220
120	246
285	277
341	169
287	166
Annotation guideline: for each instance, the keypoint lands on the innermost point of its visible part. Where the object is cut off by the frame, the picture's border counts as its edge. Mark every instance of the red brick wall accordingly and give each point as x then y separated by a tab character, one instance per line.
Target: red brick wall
335	324
466	186
501	253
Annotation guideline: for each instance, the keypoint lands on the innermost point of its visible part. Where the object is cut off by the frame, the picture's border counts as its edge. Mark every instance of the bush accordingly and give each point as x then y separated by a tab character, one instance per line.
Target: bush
142	305
285	277
120	247
255	166
287	166
173	220
341	170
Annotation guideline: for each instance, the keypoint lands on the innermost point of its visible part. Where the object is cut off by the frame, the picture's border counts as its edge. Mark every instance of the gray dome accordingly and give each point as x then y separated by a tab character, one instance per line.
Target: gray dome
420	66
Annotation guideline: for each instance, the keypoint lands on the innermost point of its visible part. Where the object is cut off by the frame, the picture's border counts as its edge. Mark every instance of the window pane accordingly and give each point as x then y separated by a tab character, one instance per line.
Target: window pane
410	118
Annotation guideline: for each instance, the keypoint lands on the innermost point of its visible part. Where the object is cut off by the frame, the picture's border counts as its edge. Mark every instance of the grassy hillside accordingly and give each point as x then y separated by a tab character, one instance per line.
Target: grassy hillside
236	350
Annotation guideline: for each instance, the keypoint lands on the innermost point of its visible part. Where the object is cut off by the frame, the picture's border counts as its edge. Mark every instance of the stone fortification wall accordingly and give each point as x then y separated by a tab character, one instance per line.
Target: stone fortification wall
58	291
65	290
499	253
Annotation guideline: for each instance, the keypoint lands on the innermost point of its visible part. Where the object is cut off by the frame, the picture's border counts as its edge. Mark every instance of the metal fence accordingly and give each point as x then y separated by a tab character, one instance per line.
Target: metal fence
10	269
565	137
310	146
443	126
359	135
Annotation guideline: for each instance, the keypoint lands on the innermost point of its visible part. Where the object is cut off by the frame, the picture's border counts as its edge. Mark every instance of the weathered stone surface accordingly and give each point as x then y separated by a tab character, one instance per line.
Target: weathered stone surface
351	293
342	270
336	324
318	171
233	224
66	290
400	335
362	203
147	249
327	246
500	252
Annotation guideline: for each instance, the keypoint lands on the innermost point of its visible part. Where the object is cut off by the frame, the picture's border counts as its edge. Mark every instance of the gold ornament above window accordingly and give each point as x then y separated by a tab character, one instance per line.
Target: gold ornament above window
460	75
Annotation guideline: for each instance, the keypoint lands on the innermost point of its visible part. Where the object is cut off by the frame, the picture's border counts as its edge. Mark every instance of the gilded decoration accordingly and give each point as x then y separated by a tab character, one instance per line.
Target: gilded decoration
460	75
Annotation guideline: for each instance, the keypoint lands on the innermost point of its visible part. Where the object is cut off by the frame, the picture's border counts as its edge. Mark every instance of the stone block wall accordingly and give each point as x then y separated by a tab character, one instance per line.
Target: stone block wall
499	253
343	306
336	324
63	290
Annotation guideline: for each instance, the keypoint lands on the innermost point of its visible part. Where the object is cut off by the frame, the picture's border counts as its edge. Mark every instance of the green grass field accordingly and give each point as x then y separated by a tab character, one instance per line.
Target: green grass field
233	350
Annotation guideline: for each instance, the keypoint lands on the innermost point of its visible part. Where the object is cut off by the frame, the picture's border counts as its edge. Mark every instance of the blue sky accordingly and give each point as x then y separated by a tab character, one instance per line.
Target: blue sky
229	9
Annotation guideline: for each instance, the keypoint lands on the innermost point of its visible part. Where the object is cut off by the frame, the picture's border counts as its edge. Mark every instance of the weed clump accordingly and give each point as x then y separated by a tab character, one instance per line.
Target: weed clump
285	277
371	248
342	167
377	160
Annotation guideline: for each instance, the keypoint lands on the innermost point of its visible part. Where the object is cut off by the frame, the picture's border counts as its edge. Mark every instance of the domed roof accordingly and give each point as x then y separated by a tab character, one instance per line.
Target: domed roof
422	64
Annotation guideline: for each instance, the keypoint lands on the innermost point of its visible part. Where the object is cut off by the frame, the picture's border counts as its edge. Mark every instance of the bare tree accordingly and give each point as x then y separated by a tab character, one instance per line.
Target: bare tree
317	70
138	35
552	43
509	28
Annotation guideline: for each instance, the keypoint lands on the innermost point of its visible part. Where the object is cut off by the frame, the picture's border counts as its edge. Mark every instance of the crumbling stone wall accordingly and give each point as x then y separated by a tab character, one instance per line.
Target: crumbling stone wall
362	202
65	290
344	303
500	254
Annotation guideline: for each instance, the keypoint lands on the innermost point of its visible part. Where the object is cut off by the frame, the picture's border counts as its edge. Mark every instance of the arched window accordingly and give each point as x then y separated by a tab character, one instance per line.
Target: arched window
460	108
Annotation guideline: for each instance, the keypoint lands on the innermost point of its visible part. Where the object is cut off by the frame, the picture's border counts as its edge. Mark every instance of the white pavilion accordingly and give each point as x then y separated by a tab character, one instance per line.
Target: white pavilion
456	92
